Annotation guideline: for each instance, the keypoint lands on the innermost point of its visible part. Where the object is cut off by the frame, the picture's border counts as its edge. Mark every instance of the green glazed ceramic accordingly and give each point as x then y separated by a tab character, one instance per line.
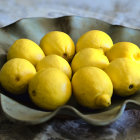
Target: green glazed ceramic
22	109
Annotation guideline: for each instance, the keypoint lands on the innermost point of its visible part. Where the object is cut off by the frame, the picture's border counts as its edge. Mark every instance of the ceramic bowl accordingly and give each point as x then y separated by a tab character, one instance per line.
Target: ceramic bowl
20	108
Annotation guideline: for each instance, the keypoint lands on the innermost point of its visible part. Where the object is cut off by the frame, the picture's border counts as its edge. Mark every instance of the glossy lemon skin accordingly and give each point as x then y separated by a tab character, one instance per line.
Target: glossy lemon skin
26	49
92	87
50	88
89	57
16	74
56	62
125	76
94	39
59	43
124	50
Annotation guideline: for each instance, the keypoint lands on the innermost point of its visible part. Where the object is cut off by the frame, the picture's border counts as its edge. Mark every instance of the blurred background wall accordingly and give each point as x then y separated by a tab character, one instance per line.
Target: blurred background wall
124	12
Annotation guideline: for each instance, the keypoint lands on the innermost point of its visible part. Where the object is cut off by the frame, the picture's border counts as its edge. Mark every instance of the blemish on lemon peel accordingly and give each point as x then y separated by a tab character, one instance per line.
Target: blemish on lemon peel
64	55
17	78
33	93
131	86
137	56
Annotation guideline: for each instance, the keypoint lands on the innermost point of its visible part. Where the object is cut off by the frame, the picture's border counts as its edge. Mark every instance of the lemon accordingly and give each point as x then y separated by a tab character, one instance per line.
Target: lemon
27	49
59	43
50	88
89	57
92	87
124	50
94	39
56	62
125	76
16	74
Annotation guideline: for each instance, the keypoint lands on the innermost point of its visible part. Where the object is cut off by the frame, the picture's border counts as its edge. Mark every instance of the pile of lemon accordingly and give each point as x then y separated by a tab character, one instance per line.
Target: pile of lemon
52	71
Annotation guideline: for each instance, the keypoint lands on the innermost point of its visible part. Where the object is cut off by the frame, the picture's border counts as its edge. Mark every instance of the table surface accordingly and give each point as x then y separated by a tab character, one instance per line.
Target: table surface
113	11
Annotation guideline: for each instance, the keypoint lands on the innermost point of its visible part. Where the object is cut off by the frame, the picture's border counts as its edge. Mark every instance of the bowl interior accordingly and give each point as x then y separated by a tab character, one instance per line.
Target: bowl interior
36	28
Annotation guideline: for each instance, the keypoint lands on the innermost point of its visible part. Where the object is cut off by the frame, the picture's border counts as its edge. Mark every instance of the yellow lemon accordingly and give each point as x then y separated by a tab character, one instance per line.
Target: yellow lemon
124	50
125	76
16	74
50	88
59	43
55	61
94	39
92	87
89	57
27	49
